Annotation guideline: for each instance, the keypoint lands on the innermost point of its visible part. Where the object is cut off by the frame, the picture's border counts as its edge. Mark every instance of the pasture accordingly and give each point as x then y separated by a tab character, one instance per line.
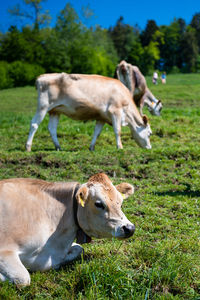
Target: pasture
162	259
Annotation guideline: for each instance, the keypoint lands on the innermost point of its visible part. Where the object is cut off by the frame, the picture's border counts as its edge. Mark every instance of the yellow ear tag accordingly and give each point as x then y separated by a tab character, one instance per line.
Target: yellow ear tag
152	103
81	201
123	196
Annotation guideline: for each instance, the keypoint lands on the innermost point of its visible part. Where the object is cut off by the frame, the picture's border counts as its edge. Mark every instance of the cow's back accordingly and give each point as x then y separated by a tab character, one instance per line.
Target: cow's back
84	97
30	207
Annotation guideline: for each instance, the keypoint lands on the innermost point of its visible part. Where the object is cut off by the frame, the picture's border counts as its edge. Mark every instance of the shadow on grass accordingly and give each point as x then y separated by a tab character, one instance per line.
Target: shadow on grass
186	192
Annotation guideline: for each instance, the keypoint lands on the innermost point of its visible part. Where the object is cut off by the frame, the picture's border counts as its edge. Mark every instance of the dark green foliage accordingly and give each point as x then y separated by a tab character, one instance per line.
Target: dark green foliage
123	37
147	35
189	51
195	23
18	73
23	73
5	79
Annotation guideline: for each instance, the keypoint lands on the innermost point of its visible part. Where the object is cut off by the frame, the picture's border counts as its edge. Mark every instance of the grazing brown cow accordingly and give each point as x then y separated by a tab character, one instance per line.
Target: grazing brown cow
39	221
88	97
133	79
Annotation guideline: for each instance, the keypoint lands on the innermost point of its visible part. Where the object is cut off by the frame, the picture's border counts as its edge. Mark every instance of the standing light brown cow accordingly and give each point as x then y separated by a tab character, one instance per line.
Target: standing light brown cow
39	221
88	97
133	79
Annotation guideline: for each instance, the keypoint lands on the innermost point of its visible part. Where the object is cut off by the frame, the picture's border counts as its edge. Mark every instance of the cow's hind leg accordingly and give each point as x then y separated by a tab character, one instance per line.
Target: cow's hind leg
52	126
12	269
97	131
37	119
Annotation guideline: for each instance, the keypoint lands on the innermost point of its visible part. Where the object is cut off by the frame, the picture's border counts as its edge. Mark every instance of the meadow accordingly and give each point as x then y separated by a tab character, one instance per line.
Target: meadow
162	259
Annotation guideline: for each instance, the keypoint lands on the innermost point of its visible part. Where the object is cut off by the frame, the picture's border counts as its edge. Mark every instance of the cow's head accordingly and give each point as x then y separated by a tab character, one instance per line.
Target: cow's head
99	208
155	107
141	133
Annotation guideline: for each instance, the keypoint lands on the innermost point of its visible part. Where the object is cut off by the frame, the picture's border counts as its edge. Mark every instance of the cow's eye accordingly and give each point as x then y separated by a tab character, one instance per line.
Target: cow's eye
99	204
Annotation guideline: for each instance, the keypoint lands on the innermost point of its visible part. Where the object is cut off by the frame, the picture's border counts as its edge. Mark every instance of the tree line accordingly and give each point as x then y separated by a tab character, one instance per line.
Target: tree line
70	46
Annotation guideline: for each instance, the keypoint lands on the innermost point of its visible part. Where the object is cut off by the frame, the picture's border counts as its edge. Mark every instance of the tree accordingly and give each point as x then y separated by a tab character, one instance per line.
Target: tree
87	50
189	50
33	13
147	34
56	58
195	23
170	49
136	53
27	45
182	25
123	36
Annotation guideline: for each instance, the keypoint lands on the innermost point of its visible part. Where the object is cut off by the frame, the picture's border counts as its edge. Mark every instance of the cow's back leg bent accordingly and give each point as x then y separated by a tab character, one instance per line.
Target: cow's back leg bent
39	116
12	269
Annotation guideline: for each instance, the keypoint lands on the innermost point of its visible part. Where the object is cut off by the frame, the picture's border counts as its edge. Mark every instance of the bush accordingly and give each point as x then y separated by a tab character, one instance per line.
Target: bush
174	70
18	74
5	80
23	73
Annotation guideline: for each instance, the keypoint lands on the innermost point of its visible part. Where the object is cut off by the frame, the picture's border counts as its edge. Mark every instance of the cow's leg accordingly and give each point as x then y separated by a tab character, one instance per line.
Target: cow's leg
97	131
52	126
116	122
37	119
141	105
12	269
74	252
141	109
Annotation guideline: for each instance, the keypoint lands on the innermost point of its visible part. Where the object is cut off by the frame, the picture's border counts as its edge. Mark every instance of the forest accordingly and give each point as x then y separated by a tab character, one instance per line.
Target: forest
70	46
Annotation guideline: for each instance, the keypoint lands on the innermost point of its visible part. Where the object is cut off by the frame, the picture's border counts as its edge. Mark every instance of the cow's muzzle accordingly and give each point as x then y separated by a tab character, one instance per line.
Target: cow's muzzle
128	230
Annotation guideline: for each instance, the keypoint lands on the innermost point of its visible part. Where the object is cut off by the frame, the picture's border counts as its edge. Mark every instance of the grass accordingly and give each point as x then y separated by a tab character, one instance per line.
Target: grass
161	261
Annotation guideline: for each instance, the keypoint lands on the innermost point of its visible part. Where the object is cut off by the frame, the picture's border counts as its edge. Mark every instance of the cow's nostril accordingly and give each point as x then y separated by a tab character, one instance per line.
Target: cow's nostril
128	230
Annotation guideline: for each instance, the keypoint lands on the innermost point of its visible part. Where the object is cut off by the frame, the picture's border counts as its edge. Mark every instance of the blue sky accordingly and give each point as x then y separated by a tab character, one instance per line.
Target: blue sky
108	11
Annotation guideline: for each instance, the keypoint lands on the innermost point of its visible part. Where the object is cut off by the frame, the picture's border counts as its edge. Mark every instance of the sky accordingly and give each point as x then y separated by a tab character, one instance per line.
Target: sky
107	12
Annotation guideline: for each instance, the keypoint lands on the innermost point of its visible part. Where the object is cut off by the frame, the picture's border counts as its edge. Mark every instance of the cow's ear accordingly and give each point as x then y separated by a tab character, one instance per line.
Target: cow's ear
145	120
82	195
125	189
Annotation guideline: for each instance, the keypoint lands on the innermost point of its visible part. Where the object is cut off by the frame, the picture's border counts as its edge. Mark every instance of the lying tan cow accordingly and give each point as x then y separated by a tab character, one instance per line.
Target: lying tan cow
39	221
88	97
133	79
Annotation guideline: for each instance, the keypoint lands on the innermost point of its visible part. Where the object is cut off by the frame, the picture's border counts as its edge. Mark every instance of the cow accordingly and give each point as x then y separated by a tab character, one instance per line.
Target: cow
133	79
39	221
88	97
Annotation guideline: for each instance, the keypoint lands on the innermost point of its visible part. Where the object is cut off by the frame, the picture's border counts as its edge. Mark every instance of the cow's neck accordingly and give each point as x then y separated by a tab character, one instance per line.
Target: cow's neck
81	236
149	98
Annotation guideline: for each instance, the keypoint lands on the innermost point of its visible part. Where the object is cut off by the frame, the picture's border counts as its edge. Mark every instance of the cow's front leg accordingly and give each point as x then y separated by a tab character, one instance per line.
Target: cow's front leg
74	252
97	131
116	122
141	109
141	105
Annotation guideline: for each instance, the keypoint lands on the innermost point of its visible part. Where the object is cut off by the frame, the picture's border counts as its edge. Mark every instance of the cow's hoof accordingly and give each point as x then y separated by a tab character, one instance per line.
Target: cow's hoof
91	148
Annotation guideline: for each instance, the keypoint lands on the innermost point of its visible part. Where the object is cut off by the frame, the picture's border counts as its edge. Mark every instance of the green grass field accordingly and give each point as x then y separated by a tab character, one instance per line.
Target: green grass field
162	259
